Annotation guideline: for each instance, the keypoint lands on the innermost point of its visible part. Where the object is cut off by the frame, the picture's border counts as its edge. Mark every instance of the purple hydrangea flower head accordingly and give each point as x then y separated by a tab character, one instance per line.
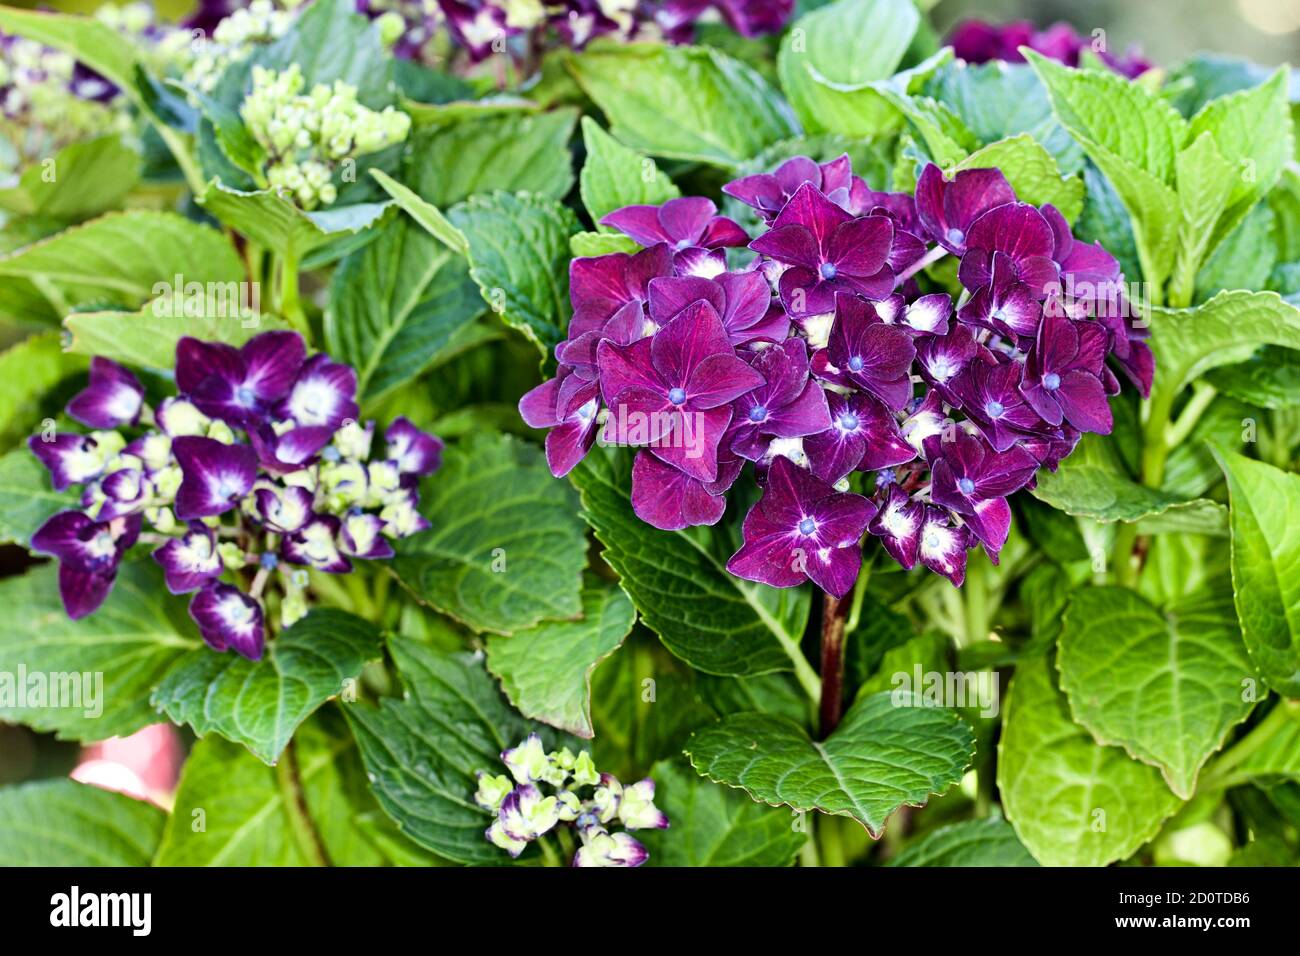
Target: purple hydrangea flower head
229	619
803	529
89	553
898	525
825	251
672	392
1023	236
114	397
743	300
977	41
1006	305
610	291
947	209
990	396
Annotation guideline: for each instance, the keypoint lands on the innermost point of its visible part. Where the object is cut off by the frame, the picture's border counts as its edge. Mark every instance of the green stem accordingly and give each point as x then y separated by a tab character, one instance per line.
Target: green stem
549	856
295	805
831	842
333	593
1202	396
290	304
1123	570
189	167
1218	775
808	855
975	594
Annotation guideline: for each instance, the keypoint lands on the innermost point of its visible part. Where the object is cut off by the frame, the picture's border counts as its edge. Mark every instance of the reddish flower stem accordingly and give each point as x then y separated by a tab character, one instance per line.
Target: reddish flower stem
834	617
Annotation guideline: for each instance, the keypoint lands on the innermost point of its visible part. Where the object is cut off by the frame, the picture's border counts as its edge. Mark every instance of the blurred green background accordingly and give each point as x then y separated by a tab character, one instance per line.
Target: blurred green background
1267	31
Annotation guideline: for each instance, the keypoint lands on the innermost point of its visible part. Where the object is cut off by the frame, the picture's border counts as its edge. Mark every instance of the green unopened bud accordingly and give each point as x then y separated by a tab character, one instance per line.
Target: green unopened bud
232	555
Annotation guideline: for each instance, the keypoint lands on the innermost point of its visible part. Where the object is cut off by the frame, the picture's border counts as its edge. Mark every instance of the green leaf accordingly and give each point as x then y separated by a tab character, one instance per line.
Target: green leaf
148	338
458	110
945	137
882	756
1245	259
614	176
1226	330
513	153
1094	483
1166	685
1072	802
678	581
1270	752
26	499
1032	173
1252	130
330	41
114	657
260	704
89	178
519	256
423	750
988	842
546	670
1269	379
600	243
426	214
64	823
711	825
832	53
1265	515
399	306
1204	189
233	810
506	549
128	257
29	370
684	102
1134	138
275	222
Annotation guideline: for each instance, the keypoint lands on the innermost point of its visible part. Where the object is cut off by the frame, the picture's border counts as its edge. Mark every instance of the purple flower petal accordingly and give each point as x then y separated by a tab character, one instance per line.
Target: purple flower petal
948	208
323	394
283	509
416	452
315	545
114	397
190	561
71	458
229	618
360	536
216	476
898	525
669	499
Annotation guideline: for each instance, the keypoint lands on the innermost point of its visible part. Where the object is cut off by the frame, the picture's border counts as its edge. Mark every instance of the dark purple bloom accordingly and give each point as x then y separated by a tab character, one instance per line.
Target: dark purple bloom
71	458
125	491
925	315
229	618
769	192
827	251
281	452
89	552
191	561
942	546
672	392
972	479
789	404
323	394
571	434
976	41
670	499
416	452
114	397
948	208
802	529
216	476
941	358
283	509
1006	305
239	385
1062	379
863	436
743	300
1024	236
475	25
863	352
898	526
990	396
610	292
691	221
315	545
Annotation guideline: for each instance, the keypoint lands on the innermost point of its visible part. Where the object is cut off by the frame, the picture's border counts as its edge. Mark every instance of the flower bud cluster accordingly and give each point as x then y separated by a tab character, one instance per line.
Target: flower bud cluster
308	136
255	473
549	790
234	39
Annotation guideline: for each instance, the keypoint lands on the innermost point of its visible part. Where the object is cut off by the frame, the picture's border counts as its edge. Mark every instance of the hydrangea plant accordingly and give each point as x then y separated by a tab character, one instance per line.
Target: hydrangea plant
847	442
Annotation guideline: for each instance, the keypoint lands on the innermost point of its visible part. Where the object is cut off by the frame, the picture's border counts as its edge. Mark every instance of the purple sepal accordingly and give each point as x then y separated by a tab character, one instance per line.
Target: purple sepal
70	458
229	618
89	553
239	385
323	394
898	526
669	499
215	476
190	561
114	397
315	545
416	452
